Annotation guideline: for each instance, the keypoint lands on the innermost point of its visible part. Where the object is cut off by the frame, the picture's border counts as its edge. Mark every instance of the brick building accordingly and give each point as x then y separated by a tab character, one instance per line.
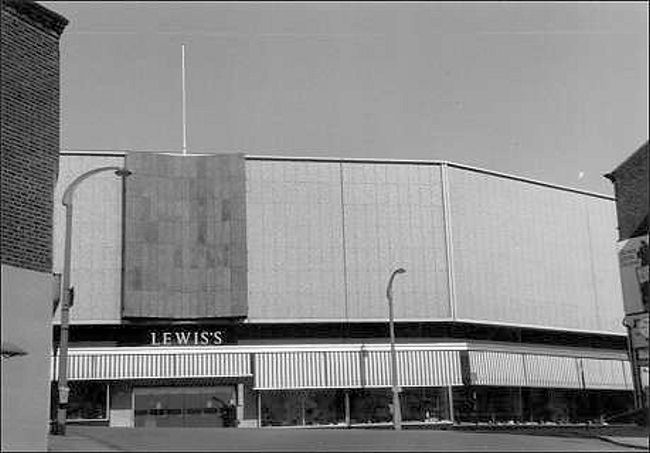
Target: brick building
29	168
631	181
632	192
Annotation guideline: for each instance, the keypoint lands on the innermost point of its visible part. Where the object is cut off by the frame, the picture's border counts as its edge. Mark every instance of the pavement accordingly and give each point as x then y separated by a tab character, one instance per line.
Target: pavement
89	438
627	441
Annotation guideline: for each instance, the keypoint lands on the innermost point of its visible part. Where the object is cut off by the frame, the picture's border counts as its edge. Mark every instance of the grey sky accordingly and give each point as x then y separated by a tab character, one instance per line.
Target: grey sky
543	90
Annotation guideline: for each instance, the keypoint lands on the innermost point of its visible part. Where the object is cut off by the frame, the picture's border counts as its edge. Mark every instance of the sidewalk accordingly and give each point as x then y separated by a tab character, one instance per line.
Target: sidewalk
634	442
80	438
76	442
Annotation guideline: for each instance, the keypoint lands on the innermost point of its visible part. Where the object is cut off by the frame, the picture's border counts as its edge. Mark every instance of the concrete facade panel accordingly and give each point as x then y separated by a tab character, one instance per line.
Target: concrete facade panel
394	218
96	260
26	316
531	255
295	244
184	236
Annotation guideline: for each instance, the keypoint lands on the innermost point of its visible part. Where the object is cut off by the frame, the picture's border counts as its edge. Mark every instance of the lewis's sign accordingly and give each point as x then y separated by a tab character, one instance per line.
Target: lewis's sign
187	338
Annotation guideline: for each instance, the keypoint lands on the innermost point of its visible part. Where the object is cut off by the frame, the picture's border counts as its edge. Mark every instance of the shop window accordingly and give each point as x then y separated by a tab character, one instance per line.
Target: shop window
426	404
303	407
88	401
370	406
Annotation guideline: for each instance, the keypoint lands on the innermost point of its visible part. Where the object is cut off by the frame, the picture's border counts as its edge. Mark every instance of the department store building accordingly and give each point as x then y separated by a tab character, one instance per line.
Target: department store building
259	283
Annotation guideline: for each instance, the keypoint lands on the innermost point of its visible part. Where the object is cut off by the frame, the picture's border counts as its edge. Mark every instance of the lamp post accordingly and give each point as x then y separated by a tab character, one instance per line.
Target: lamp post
62	407
397	410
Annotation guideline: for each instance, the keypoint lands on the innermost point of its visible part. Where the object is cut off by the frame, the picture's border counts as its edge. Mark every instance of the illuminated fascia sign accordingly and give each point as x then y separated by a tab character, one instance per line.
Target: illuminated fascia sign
187	338
633	262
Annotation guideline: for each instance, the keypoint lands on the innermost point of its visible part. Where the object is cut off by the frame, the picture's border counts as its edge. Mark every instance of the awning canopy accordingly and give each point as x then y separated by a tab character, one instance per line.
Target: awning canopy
154	365
607	374
514	369
355	369
354	366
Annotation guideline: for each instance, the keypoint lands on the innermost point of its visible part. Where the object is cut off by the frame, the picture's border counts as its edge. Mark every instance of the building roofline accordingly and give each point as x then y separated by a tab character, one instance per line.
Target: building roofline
367	161
431	162
634	155
37	15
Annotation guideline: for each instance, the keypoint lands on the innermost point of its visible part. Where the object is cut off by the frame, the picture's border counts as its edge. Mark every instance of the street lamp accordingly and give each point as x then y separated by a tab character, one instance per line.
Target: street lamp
397	410
62	407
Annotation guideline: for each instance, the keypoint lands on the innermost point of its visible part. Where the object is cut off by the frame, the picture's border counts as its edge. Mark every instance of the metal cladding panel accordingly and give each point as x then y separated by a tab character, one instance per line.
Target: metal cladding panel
394	218
552	371
96	259
603	233
532	255
415	368
294	236
607	374
306	369
185	236
167	365
497	368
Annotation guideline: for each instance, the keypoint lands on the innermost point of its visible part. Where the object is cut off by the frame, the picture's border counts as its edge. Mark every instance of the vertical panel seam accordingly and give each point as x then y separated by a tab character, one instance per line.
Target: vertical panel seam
446	218
123	246
344	246
591	264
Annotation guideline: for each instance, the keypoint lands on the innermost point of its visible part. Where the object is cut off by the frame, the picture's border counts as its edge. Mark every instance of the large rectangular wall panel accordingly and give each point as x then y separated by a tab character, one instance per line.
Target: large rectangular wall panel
295	244
185	236
602	230
533	255
394	218
96	259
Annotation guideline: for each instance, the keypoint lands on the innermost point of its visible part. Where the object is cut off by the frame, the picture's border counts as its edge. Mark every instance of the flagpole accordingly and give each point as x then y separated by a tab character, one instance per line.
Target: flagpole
184	107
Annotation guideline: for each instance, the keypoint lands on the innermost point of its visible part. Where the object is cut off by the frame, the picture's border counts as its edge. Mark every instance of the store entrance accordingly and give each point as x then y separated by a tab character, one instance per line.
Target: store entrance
158	407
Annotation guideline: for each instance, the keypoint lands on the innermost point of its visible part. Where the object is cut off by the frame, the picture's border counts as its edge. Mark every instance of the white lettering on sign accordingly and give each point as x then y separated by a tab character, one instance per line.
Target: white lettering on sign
188	338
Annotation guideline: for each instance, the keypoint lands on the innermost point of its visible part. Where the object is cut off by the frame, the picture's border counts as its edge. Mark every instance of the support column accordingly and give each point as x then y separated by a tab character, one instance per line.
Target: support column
240	403
259	409
347	408
450	400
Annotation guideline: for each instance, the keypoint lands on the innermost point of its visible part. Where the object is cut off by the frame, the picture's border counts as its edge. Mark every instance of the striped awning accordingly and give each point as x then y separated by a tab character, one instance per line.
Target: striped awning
607	374
307	369
171	364
355	369
497	368
519	369
423	368
551	371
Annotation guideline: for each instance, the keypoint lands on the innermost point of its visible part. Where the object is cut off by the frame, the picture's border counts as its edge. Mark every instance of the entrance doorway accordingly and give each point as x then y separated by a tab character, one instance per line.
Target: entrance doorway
158	407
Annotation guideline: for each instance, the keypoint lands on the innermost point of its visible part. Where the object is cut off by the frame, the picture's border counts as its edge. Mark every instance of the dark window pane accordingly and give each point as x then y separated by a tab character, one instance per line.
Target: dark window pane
87	401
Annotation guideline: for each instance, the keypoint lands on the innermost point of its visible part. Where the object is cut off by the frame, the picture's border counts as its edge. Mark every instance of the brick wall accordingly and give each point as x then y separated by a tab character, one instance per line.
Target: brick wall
632	198
30	133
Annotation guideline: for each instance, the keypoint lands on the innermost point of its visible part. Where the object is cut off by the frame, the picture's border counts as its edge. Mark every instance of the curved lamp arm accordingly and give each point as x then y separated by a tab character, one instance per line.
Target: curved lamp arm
389	288
69	191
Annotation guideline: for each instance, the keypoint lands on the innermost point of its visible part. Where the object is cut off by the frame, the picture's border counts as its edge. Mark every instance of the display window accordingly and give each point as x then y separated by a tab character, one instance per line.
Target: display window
157	407
302	407
87	401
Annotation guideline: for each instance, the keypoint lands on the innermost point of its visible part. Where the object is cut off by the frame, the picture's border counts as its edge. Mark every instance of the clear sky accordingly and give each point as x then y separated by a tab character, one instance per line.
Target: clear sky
551	91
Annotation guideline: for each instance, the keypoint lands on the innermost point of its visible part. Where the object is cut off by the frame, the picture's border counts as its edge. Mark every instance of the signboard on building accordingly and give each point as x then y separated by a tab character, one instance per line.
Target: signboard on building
194	337
633	262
